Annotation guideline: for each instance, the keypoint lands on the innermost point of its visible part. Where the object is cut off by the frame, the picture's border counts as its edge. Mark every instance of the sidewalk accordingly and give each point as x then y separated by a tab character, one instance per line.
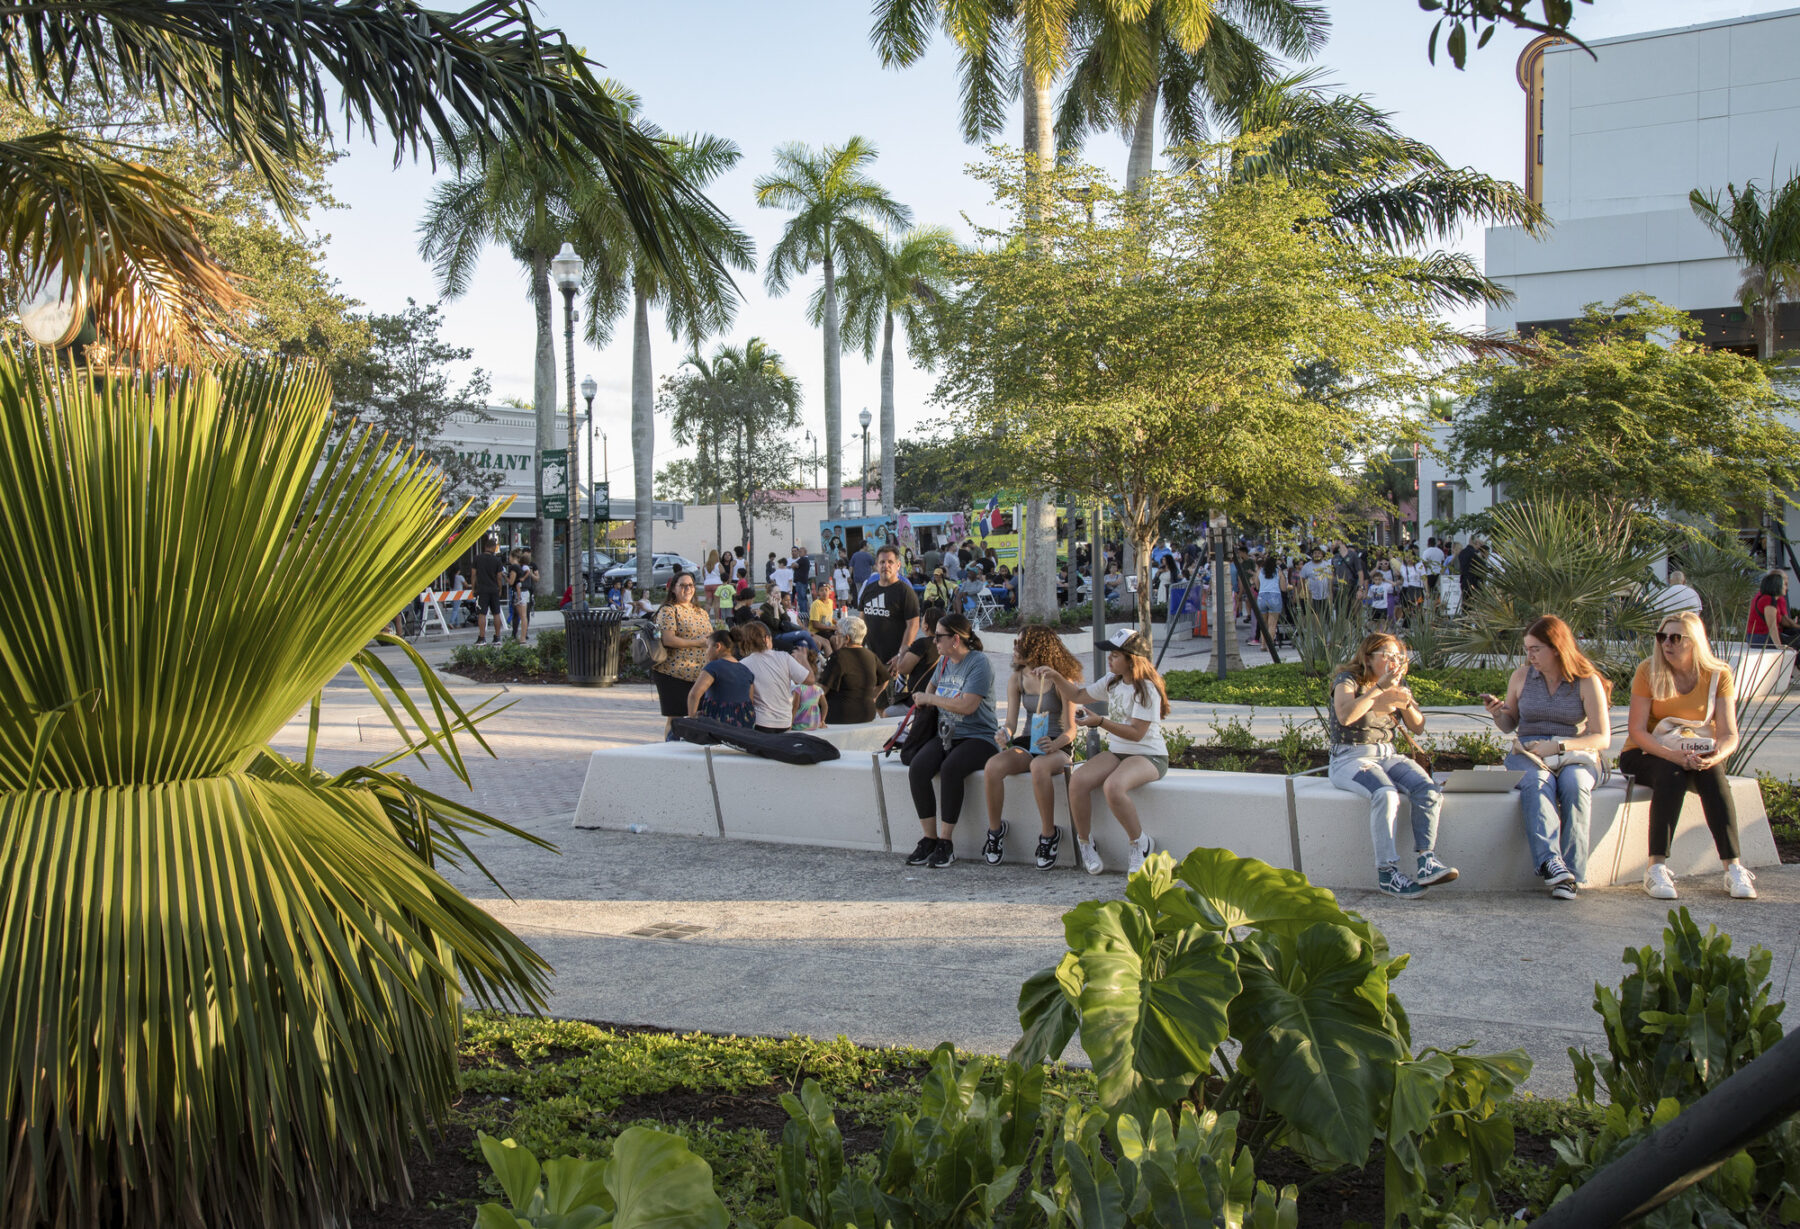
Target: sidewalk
828	942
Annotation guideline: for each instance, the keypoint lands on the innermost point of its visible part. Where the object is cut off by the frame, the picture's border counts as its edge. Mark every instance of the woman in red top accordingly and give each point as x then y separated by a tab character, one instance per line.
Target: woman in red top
1769	620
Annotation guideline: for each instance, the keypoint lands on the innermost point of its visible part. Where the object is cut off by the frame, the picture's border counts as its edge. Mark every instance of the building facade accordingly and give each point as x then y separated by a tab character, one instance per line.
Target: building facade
1613	144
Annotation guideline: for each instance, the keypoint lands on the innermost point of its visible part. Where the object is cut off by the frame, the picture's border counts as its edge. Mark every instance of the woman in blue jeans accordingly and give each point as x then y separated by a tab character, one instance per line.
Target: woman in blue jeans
1556	710
1370	704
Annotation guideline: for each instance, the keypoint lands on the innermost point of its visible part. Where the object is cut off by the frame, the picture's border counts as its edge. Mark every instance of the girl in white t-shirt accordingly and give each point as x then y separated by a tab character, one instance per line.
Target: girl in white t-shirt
1136	703
1377	597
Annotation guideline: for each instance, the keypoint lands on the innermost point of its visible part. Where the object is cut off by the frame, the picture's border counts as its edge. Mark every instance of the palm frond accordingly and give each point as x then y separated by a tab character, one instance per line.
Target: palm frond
122	235
235	985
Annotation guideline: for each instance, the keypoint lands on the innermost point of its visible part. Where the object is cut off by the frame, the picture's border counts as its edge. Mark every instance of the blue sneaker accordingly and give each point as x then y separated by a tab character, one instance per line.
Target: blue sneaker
1395	882
1431	871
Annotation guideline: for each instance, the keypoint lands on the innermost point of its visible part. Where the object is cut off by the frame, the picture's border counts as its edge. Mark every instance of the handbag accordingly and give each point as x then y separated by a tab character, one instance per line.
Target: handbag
647	648
1678	734
1553	764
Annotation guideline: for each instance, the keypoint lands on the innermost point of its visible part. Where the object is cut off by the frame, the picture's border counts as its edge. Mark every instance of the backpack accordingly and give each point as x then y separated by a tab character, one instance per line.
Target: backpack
647	647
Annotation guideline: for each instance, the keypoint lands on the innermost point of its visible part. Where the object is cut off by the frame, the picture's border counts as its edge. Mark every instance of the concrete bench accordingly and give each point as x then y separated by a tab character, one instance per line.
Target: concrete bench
863	801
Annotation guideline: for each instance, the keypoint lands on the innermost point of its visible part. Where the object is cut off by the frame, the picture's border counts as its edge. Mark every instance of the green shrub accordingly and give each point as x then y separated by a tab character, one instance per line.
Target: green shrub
1781	799
1288	686
651	1177
1681	1023
1178	741
1234	734
1229	763
1296	744
552	646
1481	746
507	655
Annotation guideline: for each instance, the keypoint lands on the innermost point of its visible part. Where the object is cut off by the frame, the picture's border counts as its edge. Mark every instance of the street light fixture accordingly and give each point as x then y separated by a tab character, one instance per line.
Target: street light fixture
588	389
863	485
565	270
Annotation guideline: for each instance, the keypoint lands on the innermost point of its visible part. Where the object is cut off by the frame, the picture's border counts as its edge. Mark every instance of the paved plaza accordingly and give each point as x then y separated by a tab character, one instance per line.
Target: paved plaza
777	939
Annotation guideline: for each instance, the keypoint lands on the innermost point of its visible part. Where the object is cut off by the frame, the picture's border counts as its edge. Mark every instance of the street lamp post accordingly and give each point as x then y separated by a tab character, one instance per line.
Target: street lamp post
588	389
565	269
814	441
863	485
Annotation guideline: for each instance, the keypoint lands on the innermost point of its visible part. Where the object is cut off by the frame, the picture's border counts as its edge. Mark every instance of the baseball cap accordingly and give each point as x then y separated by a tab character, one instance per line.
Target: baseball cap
1128	641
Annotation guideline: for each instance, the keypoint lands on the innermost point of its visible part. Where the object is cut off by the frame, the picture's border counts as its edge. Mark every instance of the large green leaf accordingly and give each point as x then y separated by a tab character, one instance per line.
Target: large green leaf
233	985
1152	1012
1049	1012
1229	891
657	1183
1317	1037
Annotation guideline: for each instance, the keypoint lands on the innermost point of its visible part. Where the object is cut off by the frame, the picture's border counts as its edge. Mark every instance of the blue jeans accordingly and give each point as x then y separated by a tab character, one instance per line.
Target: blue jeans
1557	809
1382	776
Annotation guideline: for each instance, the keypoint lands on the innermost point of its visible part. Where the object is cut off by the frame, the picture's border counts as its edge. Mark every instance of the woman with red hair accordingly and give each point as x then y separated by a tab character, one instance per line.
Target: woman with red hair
1555	708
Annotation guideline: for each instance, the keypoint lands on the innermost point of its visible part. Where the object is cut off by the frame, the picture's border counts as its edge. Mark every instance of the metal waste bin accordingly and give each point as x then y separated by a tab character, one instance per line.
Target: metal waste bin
591	645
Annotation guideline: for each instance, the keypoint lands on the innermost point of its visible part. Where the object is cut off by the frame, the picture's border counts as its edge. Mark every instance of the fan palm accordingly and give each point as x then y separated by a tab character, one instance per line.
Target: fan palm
233	983
697	296
266	77
905	281
1761	227
838	215
1202	70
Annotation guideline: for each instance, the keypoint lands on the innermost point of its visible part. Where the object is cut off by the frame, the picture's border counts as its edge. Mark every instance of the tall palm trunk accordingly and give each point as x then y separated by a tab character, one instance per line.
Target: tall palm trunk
834	399
1143	141
887	414
643	436
1765	341
543	393
1037	564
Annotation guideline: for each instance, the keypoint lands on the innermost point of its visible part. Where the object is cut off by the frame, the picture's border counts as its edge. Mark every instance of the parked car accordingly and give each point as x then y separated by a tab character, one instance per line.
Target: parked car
662	570
594	563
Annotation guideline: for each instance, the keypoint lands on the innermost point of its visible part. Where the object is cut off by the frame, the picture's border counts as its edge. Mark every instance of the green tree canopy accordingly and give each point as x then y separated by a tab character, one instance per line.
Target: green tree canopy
1147	349
402	386
1631	411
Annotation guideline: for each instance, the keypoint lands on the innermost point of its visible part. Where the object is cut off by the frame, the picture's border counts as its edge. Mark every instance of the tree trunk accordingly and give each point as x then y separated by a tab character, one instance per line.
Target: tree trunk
543	396
643	438
1143	142
834	400
1765	343
1037	562
887	414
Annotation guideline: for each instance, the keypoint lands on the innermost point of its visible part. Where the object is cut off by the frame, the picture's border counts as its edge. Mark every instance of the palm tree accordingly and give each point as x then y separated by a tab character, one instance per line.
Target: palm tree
1762	229
256	73
744	394
697	295
513	198
838	213
1202	66
1393	190
906	280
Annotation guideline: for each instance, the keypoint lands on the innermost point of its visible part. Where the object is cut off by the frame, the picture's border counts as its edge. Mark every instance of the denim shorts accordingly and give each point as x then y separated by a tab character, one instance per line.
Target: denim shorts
1269	603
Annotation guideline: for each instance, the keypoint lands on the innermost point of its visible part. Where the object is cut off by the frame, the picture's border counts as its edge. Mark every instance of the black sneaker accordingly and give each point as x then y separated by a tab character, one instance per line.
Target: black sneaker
942	856
1047	849
994	850
922	851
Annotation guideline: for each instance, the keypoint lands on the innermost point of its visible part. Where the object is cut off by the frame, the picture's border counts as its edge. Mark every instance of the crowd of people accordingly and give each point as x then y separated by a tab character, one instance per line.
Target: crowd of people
880	644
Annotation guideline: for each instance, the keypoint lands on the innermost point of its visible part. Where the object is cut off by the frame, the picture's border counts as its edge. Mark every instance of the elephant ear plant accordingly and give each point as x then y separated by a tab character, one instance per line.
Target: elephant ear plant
232	983
1222	947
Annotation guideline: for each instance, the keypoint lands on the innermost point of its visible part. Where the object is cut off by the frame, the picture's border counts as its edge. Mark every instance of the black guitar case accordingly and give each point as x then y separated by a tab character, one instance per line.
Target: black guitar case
793	747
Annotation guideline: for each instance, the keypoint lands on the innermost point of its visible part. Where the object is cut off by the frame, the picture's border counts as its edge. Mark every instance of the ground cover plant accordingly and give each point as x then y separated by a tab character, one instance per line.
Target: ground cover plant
1288	685
1251	1066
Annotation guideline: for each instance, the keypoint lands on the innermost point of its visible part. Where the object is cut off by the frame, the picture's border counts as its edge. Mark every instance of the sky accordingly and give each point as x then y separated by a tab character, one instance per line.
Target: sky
779	71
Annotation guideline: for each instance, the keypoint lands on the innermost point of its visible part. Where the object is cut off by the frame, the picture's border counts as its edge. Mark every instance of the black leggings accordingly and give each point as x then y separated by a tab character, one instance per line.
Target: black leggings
1669	784
966	756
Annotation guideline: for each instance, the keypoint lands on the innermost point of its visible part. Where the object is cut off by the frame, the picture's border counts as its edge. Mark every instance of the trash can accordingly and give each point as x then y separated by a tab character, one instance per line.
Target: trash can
591	645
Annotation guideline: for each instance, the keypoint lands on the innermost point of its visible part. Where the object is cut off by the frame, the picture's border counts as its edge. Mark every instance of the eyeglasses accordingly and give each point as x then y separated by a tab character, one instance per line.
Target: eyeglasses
1670	637
943	635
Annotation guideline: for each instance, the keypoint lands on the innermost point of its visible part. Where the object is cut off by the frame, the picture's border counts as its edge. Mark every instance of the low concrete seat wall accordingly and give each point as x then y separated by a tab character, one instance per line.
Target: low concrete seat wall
864	801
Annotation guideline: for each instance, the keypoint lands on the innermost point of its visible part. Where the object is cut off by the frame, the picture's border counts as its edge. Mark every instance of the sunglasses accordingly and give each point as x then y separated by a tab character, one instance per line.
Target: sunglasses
1670	637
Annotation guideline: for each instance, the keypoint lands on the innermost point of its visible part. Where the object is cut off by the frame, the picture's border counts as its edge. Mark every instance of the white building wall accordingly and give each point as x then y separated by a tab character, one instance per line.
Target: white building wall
1627	135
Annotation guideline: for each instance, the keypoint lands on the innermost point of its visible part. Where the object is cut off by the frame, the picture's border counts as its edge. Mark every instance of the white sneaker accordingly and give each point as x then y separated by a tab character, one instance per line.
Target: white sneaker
1090	857
1740	882
1659	882
1140	849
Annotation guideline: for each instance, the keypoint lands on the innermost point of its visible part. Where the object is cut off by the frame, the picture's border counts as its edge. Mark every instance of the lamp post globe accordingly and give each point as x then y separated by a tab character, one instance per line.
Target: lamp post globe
566	268
864	418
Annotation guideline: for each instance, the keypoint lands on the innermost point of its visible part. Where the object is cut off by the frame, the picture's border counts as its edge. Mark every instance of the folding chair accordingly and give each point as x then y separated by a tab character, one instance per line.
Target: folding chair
986	609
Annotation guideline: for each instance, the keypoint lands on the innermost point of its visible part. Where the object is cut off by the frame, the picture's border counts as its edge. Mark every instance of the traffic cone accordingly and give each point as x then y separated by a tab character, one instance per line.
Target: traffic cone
1200	625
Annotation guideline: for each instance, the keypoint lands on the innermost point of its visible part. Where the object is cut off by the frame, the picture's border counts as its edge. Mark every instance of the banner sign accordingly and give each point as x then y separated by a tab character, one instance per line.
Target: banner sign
554	469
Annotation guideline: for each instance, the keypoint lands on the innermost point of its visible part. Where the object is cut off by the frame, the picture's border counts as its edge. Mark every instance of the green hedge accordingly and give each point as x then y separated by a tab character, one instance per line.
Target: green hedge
1285	686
